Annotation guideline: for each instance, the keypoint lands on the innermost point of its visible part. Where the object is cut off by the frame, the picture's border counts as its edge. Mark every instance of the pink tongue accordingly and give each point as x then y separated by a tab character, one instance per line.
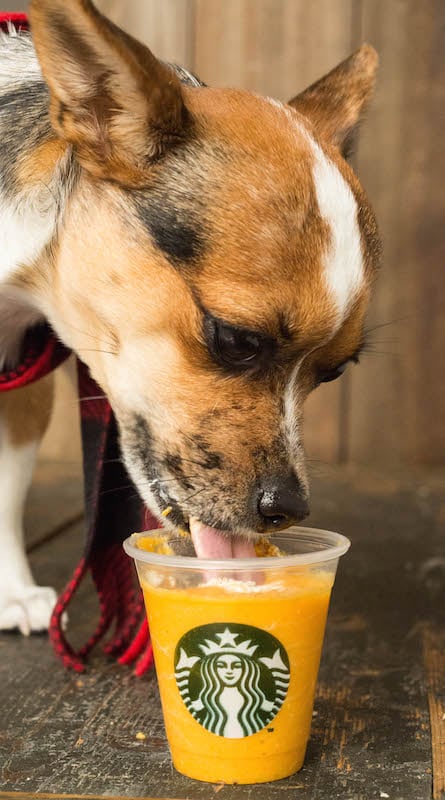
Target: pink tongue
211	543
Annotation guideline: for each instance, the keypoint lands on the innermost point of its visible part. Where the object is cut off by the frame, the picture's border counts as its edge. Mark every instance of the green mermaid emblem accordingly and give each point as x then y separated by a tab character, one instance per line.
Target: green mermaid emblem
232	678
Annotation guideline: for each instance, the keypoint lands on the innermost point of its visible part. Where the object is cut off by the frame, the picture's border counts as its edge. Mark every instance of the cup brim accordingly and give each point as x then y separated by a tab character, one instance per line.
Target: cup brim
317	546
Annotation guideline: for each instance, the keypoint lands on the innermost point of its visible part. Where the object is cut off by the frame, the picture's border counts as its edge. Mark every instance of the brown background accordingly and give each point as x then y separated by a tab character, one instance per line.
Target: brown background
391	409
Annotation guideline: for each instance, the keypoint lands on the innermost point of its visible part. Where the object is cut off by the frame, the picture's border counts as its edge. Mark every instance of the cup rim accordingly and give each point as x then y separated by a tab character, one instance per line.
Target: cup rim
335	545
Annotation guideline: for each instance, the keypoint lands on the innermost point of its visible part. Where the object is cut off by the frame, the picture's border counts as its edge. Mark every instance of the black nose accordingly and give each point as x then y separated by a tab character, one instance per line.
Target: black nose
282	501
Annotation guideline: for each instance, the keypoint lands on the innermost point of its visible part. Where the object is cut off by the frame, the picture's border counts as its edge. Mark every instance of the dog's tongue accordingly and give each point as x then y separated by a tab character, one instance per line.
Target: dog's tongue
212	543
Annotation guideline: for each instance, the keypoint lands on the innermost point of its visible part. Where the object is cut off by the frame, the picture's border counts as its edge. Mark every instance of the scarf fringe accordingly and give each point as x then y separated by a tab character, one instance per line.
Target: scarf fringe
120	602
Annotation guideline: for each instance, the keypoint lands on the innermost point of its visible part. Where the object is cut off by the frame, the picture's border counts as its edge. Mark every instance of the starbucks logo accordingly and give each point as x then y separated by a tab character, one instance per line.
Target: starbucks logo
232	678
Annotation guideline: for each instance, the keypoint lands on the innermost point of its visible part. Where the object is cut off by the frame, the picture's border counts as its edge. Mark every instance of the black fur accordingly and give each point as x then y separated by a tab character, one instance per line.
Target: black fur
174	464
173	230
24	124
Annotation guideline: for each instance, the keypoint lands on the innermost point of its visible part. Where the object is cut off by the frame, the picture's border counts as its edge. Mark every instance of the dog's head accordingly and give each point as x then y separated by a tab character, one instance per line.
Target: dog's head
213	267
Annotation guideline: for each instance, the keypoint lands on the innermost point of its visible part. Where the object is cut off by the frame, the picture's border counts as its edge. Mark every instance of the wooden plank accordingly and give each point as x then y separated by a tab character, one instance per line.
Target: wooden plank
58	796
322	425
62	734
388	579
397	398
434	660
275	47
166	26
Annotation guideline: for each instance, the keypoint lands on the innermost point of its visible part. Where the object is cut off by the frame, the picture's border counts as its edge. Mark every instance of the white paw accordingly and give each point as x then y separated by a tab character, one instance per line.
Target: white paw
28	608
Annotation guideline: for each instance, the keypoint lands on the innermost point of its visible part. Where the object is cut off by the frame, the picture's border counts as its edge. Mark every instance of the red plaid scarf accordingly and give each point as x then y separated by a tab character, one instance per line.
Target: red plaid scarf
111	516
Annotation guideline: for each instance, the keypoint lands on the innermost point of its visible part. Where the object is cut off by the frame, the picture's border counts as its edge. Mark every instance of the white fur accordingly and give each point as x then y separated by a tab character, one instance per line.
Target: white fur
17	49
343	266
28	221
291	427
27	225
23	605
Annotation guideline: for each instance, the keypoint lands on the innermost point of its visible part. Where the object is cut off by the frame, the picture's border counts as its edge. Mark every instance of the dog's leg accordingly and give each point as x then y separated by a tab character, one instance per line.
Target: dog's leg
24	416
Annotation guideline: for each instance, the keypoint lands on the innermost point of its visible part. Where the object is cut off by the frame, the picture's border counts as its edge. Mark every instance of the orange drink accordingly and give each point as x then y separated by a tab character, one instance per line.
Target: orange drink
237	647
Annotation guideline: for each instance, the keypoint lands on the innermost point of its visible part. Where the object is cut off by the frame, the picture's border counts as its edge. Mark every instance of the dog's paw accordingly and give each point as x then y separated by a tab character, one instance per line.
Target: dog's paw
28	609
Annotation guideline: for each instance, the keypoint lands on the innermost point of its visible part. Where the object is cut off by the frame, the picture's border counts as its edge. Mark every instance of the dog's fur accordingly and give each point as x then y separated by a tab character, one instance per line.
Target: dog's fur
208	253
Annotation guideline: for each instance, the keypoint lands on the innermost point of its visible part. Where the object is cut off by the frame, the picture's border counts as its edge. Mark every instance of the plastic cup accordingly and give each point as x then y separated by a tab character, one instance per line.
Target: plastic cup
237	647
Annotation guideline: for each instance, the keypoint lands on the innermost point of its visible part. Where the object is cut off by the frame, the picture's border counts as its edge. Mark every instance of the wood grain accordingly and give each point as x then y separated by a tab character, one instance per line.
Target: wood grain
166	26
397	395
434	660
276	47
58	796
322	425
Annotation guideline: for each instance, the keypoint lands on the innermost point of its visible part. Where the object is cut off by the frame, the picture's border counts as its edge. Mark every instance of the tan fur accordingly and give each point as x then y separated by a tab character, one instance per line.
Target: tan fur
272	232
38	165
26	412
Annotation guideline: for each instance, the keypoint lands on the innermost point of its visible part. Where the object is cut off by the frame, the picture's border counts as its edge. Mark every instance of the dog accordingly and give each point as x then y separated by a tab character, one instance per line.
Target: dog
208	253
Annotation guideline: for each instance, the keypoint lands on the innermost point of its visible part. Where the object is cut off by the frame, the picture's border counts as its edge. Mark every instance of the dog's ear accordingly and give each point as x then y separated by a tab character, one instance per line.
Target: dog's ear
111	98
335	103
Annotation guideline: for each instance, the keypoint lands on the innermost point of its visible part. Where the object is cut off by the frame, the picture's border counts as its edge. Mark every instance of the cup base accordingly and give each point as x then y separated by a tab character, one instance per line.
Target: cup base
232	771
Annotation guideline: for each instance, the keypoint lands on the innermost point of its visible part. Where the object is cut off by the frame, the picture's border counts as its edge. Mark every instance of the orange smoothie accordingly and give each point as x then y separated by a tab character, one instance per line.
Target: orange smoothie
237	664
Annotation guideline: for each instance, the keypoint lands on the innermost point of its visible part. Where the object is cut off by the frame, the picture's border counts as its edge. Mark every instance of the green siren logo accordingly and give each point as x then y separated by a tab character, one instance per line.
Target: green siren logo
232	678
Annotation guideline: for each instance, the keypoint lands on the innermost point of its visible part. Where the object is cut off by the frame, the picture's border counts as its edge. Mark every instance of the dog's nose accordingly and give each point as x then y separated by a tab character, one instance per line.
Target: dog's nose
282	501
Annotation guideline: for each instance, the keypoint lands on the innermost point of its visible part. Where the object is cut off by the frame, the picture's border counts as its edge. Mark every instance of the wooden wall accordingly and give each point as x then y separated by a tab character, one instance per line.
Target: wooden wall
390	409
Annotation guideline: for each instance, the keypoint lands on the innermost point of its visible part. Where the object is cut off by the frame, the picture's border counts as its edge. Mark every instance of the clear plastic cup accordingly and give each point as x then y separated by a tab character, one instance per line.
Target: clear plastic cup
237	647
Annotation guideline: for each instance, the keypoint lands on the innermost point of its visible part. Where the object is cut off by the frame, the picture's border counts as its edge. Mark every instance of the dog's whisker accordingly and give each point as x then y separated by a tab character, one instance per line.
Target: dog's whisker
96	350
93	397
372	341
116	489
319	470
391	353
146	483
191	461
190	497
373	328
168	480
310	461
90	335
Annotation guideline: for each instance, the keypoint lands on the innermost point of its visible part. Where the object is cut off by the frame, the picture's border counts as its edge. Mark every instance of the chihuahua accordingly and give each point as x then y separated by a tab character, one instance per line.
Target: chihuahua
208	253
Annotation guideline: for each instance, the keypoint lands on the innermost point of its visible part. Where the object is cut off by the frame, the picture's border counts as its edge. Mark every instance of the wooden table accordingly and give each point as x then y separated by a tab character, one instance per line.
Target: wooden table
379	719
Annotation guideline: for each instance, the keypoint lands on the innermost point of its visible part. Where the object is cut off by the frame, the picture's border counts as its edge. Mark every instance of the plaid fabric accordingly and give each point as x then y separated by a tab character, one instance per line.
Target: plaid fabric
41	353
113	509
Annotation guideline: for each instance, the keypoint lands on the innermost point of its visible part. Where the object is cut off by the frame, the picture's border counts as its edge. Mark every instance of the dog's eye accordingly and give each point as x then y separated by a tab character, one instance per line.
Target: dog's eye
324	376
233	347
332	374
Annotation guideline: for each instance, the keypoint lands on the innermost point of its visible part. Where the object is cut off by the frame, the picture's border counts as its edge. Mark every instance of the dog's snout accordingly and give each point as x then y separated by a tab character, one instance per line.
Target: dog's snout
282	501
